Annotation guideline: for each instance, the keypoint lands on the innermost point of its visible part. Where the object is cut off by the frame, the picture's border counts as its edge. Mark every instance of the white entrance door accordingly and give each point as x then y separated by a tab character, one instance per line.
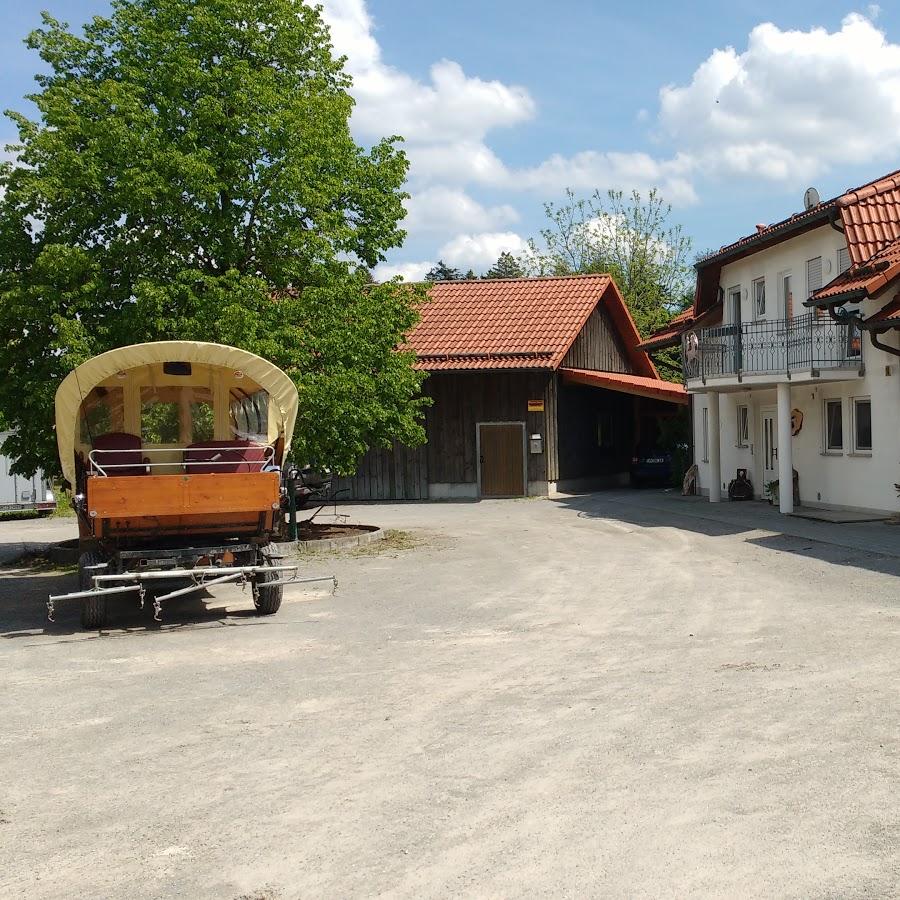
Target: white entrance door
769	446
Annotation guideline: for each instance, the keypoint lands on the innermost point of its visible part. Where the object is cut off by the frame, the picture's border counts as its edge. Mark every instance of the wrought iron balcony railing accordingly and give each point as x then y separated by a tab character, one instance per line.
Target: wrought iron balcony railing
806	343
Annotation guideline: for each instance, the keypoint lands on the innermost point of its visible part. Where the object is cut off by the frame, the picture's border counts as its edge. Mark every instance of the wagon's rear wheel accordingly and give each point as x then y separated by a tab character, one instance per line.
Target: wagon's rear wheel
268	599
93	609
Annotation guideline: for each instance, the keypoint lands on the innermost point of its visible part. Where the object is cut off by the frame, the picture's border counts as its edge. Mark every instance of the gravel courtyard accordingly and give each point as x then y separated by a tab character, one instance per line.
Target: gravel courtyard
615	695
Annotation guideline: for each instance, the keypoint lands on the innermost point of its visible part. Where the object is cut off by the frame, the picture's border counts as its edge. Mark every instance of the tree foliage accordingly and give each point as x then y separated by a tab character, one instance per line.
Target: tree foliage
507	266
631	238
442	272
191	175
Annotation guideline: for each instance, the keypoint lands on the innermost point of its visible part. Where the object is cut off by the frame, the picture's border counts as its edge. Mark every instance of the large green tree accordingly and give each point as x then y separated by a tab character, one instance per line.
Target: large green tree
191	174
632	238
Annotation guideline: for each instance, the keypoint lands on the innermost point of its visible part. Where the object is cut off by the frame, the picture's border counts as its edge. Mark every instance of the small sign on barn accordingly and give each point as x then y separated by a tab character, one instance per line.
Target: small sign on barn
535	406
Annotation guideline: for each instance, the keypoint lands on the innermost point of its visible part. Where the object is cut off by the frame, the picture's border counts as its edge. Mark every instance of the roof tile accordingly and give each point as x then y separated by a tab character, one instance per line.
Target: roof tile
514	323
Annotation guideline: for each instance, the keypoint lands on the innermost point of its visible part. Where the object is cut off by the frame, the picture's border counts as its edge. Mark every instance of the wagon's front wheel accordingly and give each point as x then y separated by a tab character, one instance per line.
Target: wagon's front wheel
93	609
268	599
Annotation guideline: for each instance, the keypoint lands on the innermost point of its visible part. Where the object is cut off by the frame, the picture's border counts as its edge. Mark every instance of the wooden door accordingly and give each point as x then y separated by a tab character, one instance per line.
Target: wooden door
501	459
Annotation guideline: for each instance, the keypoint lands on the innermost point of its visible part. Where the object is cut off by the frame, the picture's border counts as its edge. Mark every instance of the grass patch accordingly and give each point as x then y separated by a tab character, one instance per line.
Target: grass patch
394	541
12	515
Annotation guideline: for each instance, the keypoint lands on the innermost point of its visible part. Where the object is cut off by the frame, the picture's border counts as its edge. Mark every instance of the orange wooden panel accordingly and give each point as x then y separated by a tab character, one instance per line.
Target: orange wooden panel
177	495
233	524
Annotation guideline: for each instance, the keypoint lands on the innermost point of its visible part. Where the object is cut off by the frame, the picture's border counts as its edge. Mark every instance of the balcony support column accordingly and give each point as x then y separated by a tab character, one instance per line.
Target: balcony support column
715	452
785	451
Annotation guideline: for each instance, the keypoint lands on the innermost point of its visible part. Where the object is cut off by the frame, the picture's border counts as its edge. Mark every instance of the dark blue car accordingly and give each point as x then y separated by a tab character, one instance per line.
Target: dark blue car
651	465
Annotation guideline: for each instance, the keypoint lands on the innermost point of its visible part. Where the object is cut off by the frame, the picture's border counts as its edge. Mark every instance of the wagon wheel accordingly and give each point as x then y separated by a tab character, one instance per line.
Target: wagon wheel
93	609
268	599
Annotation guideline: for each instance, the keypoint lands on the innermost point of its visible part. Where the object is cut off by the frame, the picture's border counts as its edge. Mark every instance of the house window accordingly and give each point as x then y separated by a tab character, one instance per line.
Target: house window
787	295
814	278
759	297
843	262
743	426
734	296
862	424
834	425
705	434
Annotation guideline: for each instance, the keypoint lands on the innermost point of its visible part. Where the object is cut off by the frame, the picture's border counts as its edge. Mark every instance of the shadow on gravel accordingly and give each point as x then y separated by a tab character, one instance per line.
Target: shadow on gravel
831	553
691	514
23	609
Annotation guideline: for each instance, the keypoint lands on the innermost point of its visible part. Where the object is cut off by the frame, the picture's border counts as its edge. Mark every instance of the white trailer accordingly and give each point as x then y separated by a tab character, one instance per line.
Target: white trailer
18	492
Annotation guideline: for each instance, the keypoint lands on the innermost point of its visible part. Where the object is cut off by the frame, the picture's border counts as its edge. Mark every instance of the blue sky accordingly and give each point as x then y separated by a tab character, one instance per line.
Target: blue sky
731	110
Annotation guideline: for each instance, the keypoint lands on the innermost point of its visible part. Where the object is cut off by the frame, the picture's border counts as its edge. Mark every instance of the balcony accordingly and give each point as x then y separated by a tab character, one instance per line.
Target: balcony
807	347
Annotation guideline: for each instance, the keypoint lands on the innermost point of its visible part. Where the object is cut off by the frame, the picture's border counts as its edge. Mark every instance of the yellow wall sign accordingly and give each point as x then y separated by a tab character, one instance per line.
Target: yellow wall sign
535	406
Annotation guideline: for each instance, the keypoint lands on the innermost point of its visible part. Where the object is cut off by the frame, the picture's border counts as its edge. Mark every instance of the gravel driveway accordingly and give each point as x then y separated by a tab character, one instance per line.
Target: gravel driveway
600	696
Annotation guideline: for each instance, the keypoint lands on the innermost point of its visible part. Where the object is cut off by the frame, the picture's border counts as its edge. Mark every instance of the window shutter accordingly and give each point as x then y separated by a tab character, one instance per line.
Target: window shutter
814	278
843	260
813	275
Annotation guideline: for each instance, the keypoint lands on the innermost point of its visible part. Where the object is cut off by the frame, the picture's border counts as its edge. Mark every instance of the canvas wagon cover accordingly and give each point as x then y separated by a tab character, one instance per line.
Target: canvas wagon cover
80	381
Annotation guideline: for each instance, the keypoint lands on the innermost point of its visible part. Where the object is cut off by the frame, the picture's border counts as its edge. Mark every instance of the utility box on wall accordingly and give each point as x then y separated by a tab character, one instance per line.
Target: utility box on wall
536	444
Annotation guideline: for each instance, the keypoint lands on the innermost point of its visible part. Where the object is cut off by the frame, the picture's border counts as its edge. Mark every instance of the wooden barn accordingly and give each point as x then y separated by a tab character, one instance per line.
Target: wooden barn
538	385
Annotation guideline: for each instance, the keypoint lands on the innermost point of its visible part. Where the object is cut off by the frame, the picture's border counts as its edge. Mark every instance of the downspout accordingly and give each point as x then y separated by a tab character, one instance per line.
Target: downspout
887	348
845	317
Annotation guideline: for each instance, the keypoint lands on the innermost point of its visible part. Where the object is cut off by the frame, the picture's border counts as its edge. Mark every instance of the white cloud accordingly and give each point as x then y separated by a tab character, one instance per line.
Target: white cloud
480	251
791	105
450	106
588	170
446	119
443	209
410	271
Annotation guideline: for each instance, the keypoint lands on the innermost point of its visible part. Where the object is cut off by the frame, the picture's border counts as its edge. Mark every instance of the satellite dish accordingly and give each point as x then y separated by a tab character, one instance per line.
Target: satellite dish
810	198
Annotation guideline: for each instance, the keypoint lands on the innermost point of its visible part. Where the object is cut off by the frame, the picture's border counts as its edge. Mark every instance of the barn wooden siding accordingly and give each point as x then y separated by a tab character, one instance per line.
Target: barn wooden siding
598	347
461	400
397	474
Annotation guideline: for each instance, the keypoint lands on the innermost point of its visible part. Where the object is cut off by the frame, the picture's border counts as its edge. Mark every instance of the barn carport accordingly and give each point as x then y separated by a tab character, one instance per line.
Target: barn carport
602	418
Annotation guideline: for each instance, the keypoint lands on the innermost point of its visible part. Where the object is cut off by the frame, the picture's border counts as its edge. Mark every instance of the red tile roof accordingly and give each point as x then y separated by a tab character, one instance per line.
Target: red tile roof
516	323
628	384
871	216
668	335
865	280
671	334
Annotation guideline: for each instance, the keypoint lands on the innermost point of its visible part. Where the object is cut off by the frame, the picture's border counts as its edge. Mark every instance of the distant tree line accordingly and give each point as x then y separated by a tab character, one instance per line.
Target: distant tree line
507	266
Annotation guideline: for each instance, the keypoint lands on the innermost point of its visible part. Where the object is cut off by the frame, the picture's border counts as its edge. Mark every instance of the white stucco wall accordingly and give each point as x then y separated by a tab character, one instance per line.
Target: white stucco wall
789	256
834	479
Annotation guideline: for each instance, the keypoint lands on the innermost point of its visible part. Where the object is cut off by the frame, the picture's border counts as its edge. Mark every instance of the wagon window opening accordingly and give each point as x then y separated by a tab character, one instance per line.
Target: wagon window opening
249	414
102	412
202	421
160	416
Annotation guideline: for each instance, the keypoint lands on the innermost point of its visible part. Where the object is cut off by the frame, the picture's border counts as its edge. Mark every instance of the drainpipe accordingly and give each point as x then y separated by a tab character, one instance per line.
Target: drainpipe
848	317
785	451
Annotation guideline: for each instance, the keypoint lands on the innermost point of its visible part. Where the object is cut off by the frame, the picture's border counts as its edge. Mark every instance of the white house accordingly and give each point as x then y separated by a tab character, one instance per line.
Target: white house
792	356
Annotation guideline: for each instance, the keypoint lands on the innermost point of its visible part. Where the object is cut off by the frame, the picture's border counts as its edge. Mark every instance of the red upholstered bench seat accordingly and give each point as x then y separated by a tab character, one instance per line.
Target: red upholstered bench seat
110	456
224	457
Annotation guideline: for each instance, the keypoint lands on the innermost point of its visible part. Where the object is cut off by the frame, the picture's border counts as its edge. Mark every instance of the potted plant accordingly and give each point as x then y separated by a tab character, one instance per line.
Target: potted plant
772	491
